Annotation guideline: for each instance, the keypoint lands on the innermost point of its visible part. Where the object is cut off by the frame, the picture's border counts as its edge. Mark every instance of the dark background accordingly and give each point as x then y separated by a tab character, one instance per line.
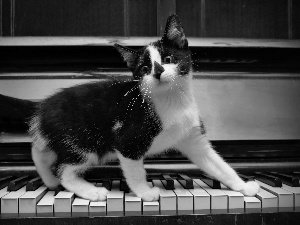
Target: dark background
278	19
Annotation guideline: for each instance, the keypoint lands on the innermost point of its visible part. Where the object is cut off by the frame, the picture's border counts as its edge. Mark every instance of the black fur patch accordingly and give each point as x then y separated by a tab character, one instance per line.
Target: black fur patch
82	119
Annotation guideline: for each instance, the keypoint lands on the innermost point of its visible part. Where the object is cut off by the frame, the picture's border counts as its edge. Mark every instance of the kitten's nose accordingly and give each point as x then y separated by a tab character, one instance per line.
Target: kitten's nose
158	70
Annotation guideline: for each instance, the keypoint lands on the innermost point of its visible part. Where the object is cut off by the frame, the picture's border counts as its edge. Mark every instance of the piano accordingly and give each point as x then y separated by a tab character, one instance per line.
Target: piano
248	92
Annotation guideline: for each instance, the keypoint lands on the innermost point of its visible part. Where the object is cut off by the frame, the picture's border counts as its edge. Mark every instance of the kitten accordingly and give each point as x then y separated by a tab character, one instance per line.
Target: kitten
151	112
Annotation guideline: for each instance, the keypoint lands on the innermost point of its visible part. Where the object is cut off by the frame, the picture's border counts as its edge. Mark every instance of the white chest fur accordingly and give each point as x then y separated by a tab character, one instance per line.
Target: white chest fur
178	114
173	100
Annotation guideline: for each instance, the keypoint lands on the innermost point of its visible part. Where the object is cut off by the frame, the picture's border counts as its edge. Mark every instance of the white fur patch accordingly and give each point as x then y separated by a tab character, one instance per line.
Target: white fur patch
178	112
177	123
154	56
170	74
172	96
43	160
71	180
40	142
135	175
108	157
42	156
117	126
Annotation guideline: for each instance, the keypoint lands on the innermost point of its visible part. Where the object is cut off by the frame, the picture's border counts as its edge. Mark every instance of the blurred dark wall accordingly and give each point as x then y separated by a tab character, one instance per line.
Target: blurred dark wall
200	18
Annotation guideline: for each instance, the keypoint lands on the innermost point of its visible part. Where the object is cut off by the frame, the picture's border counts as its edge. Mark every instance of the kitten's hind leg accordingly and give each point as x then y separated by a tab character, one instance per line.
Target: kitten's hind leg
42	156
198	149
43	159
135	175
71	180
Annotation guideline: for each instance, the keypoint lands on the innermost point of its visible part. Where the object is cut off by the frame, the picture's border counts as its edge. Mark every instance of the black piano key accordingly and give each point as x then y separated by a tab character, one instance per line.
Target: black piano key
296	174
34	184
4	181
106	183
96	180
16	184
287	179
214	184
247	178
124	186
58	189
169	182
268	179
185	181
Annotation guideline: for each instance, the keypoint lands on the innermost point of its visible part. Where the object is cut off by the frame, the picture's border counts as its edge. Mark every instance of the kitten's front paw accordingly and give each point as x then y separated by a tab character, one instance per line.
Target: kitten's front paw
150	195
96	194
251	188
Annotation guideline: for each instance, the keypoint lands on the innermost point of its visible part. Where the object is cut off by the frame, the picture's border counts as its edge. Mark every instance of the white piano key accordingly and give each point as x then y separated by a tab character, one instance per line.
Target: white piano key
115	199
45	207
269	202
133	205
252	204
28	201
97	208
285	198
235	200
10	203
63	204
80	207
150	208
218	198
167	199
3	192
296	195
185	204
201	200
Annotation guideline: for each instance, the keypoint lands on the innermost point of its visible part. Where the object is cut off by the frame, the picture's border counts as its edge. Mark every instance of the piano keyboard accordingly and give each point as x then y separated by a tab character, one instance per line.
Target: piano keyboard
180	195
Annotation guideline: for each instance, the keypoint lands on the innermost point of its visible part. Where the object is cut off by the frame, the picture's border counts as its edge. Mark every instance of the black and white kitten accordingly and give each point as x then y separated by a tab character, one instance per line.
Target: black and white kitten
151	112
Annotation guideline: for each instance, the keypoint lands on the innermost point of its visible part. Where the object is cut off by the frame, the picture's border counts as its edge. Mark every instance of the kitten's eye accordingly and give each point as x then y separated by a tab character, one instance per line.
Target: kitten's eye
168	59
144	70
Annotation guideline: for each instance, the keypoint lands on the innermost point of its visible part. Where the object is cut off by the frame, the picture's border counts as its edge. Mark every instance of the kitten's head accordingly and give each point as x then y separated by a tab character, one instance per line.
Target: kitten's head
164	63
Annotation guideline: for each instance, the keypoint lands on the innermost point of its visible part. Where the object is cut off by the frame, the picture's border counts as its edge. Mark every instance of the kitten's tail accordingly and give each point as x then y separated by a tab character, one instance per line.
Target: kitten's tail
15	113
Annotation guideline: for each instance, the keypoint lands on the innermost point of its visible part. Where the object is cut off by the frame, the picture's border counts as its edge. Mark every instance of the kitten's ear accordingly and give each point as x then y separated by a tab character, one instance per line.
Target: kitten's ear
128	55
174	33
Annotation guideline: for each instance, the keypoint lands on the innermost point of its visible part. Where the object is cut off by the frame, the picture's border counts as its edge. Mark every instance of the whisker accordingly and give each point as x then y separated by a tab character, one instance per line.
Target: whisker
131	90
